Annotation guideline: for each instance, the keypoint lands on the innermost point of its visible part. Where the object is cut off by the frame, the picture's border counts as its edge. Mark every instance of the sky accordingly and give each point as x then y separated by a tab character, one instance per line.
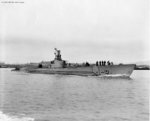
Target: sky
84	30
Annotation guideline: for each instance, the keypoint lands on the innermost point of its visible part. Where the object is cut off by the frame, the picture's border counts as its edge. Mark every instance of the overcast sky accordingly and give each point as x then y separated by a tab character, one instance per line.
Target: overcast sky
84	30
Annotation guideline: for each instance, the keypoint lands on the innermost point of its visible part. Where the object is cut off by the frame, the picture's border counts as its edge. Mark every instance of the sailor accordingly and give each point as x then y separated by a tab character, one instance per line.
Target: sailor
96	63
104	63
108	63
100	63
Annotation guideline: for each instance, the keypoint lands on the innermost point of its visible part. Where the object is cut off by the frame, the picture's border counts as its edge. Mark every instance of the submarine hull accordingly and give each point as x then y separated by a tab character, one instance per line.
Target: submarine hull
108	70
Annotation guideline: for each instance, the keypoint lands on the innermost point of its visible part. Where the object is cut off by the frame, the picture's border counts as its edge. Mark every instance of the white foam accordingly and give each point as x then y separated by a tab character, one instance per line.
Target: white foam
115	75
4	117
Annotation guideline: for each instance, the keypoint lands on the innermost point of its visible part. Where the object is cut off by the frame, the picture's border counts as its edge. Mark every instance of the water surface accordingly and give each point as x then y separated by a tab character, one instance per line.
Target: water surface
40	97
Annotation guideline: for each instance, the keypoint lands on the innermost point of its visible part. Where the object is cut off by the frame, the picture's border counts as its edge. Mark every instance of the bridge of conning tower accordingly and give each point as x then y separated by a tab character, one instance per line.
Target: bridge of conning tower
57	54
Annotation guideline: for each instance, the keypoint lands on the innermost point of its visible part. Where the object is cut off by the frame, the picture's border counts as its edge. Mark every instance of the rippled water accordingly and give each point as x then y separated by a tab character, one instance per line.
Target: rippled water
39	97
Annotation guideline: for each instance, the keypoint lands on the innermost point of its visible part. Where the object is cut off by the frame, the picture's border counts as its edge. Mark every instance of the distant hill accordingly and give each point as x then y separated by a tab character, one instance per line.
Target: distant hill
143	63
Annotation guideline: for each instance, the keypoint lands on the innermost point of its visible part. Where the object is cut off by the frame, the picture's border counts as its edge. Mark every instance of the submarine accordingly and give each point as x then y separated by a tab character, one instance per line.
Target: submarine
59	66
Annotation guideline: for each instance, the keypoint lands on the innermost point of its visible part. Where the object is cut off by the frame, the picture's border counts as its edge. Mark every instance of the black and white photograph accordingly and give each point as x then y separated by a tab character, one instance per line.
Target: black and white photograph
74	60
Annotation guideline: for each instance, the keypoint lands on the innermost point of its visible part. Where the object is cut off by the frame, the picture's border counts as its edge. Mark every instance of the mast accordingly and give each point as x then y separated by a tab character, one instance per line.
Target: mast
57	54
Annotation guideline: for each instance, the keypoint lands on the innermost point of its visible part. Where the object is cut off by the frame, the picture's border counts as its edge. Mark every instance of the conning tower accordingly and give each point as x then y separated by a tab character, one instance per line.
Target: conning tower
58	62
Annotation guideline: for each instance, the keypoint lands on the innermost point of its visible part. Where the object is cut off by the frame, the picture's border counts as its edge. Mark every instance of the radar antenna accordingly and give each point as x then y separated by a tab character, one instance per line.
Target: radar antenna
57	54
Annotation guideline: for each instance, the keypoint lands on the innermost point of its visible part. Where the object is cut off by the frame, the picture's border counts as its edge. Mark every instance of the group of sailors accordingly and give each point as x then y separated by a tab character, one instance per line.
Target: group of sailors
103	63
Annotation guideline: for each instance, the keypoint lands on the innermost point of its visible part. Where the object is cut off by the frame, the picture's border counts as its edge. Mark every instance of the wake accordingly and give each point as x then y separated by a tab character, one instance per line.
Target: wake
4	117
